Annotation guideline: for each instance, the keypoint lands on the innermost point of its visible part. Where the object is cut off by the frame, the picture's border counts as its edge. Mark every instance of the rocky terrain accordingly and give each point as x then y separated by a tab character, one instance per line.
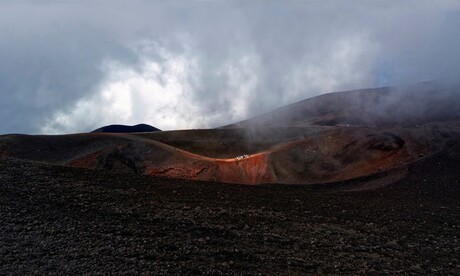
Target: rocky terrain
63	220
327	193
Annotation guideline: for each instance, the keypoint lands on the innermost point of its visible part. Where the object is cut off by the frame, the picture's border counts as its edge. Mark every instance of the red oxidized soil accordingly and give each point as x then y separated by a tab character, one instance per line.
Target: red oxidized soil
251	170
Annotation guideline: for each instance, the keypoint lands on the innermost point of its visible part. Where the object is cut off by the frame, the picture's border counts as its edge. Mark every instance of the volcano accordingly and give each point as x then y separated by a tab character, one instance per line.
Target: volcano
329	138
374	187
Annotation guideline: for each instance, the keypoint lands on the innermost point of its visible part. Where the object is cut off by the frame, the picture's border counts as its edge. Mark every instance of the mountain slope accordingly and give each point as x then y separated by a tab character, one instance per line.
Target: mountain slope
388	106
326	139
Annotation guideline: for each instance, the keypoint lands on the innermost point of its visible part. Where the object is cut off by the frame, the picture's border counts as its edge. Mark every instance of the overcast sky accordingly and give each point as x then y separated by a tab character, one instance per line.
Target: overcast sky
73	66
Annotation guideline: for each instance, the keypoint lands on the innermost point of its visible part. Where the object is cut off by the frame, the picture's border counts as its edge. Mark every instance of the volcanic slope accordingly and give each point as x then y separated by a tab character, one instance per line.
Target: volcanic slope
297	155
64	220
308	149
407	106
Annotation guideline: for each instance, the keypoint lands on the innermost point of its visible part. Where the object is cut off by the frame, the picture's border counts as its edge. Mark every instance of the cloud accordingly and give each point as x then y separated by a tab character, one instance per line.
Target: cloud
161	92
72	66
347	64
151	91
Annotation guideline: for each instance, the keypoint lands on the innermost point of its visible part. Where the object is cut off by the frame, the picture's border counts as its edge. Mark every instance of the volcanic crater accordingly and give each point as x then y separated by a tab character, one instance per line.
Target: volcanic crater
322	140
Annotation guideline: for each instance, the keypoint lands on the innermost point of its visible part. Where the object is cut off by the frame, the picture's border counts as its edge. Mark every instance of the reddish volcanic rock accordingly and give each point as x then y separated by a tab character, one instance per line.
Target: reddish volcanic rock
325	155
250	170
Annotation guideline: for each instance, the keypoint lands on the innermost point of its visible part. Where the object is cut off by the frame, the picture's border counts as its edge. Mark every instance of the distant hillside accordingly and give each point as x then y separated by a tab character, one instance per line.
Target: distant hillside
410	105
127	129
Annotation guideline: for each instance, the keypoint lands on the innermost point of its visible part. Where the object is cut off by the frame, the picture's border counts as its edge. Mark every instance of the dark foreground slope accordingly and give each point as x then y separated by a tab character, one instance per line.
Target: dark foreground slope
62	220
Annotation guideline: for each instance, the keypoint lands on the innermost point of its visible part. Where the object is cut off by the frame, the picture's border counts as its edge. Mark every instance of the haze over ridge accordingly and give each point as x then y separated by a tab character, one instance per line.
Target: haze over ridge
67	67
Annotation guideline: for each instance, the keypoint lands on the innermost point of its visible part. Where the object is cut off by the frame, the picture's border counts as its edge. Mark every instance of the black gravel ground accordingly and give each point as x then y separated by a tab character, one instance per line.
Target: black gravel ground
61	220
